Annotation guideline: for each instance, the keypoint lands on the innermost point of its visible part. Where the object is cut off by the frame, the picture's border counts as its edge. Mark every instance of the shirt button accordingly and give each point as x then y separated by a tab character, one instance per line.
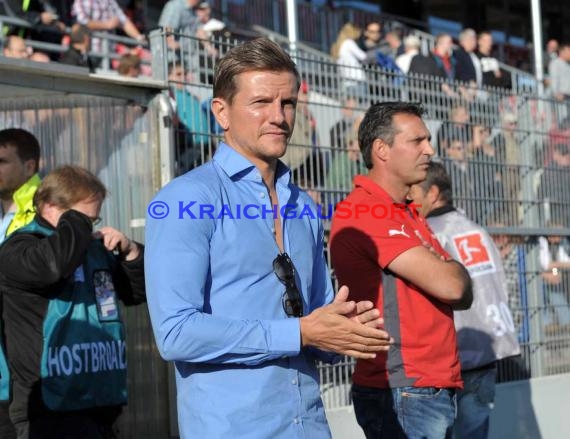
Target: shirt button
296	420
294	381
262	195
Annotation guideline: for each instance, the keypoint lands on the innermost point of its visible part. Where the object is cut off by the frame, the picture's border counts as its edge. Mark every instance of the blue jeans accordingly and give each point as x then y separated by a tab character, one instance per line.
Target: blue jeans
474	403
404	412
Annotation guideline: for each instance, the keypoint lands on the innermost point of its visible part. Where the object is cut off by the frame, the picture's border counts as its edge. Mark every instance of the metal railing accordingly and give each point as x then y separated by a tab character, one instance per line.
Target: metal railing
319	26
108	42
317	32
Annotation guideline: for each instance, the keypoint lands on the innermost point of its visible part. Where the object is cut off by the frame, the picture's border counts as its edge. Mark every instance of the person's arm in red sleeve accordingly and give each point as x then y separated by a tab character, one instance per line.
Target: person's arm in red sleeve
445	279
411	257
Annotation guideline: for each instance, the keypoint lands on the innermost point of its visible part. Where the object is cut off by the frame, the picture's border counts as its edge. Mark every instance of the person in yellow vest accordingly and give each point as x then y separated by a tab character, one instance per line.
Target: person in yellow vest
19	179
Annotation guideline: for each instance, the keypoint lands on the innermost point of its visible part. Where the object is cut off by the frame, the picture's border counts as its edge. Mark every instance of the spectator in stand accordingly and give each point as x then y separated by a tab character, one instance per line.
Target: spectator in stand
553	191
490	69
79	45
350	59
104	15
557	134
559	71
346	164
391	45
487	169
15	47
551	53
460	172
191	123
412	45
207	26
41	15
179	16
130	66
457	127
509	159
39	57
370	39
512	254
554	257
136	10
468	66
443	55
342	129
303	157
439	64
482	148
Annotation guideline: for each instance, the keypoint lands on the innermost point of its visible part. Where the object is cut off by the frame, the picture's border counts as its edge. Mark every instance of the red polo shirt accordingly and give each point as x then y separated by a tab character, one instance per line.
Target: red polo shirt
369	230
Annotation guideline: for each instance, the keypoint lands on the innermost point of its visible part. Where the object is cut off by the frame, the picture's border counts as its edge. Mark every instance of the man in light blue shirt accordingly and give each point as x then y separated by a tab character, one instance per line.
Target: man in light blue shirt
238	289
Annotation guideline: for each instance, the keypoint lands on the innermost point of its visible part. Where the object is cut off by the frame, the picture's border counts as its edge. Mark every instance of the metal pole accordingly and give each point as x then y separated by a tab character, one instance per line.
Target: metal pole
292	25
537	43
159	51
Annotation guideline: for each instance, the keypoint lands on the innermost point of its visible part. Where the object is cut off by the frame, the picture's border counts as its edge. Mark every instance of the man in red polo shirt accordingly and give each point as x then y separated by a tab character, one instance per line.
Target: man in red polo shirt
384	251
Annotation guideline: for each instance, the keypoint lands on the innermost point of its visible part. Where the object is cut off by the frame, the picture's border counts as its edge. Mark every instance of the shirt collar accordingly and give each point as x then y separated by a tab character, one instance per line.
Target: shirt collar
24	195
372	188
236	166
440	211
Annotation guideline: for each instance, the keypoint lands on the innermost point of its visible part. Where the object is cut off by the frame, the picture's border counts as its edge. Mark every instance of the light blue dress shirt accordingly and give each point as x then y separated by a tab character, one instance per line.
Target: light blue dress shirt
216	305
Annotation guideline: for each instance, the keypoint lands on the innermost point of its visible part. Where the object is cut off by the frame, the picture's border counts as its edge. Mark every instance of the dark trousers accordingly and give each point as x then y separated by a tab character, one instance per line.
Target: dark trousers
33	420
67	426
7	430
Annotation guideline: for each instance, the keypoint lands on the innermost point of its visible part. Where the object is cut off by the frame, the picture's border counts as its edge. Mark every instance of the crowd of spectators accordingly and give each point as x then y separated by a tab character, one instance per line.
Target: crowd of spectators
475	130
559	71
75	25
472	62
477	139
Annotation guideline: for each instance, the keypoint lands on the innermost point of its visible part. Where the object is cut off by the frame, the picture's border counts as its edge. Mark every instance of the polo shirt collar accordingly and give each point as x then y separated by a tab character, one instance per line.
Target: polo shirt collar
372	188
236	166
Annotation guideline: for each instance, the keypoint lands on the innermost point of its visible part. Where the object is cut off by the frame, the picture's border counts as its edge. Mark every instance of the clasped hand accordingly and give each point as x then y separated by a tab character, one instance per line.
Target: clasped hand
346	327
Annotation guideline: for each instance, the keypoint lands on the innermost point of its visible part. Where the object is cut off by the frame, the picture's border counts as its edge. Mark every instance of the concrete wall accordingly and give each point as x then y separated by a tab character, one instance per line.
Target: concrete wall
533	409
